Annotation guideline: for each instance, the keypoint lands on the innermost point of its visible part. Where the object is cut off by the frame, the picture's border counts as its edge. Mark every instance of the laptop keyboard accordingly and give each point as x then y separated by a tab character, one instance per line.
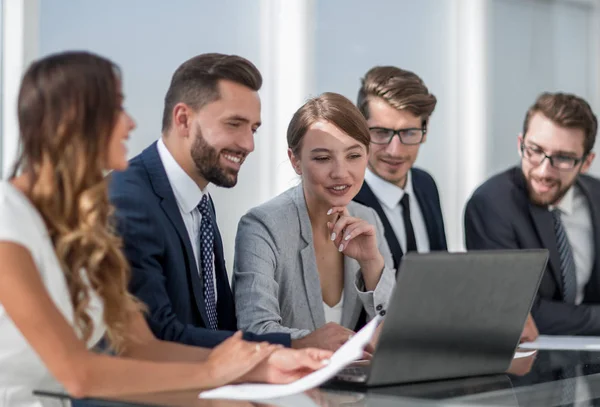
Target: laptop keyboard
353	374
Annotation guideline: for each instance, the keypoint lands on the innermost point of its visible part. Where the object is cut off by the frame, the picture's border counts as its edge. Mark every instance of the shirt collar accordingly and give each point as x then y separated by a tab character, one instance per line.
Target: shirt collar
566	203
187	193
386	192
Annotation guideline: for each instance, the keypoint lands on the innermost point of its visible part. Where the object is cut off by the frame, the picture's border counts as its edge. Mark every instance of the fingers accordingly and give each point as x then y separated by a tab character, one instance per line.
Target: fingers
369	348
340	210
355	230
312	358
319	354
255	353
338	230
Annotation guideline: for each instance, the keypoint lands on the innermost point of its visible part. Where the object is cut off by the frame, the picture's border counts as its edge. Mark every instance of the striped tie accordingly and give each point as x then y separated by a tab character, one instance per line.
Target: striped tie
567	264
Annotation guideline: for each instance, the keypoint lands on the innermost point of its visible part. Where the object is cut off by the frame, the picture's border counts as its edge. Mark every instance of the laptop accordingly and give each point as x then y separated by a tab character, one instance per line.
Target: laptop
453	315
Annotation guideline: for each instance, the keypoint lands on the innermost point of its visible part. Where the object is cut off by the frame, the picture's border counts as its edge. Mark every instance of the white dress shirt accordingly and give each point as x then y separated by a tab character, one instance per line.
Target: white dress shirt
389	196
188	195
577	221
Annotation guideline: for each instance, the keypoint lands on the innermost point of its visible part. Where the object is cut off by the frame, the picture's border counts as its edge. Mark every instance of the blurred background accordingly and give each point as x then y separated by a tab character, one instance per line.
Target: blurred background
485	60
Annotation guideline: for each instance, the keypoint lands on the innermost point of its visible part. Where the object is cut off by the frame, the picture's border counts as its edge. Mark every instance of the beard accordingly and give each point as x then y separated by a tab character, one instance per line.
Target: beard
206	159
550	198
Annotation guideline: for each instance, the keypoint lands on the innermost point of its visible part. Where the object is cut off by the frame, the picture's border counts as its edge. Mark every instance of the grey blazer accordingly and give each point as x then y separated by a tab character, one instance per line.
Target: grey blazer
275	279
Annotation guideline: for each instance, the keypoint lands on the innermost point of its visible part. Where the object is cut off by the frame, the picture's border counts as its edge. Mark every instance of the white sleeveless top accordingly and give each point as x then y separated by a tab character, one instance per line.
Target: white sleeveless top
334	314
21	370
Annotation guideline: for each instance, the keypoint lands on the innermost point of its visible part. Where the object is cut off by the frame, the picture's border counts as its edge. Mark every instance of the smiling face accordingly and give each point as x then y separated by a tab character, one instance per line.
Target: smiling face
332	164
546	184
221	134
392	161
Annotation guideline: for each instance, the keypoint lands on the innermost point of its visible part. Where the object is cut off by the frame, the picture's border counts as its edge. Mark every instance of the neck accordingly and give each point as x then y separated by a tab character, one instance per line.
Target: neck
184	159
317	213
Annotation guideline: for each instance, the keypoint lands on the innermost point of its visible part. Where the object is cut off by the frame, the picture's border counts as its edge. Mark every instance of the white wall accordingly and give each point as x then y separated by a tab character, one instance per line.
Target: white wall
536	46
514	48
149	39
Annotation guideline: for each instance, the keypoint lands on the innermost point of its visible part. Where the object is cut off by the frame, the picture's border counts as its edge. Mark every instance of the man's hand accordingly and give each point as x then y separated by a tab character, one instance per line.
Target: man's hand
530	331
330	337
288	365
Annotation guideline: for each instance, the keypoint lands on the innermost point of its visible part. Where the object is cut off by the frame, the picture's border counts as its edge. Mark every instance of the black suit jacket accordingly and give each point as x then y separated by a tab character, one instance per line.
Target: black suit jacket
429	201
499	215
164	271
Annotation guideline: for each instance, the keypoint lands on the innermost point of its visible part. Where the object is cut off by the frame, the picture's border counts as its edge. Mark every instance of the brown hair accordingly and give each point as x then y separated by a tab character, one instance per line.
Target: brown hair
403	90
67	108
566	110
195	82
331	107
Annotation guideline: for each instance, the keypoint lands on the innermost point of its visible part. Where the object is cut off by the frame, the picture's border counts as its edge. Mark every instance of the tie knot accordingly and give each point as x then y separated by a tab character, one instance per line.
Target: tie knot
203	205
556	213
405	201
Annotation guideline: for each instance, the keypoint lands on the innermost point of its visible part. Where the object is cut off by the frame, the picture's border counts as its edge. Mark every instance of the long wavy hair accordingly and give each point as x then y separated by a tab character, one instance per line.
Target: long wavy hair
68	106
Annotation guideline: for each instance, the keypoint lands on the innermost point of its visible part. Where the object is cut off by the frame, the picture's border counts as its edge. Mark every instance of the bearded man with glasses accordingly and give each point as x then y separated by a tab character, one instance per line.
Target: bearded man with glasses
549	202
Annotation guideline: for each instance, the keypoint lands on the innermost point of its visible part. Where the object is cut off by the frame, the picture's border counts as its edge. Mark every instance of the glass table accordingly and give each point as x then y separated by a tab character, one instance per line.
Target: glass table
547	378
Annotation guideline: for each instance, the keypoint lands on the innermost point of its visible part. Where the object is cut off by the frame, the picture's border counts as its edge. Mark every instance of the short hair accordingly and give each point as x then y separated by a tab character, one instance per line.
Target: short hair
195	82
566	110
333	108
403	90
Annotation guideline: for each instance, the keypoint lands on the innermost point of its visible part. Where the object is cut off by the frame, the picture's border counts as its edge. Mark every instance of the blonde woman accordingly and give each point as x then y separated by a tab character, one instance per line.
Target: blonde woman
63	280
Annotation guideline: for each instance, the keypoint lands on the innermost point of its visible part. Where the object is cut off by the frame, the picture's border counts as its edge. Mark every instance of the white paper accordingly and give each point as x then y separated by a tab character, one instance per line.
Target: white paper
547	342
519	355
351	351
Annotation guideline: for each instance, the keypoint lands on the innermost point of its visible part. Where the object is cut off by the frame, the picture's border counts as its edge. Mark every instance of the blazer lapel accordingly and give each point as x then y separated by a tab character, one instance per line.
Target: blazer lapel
428	215
162	187
366	197
352	306
544	224
225	303
312	282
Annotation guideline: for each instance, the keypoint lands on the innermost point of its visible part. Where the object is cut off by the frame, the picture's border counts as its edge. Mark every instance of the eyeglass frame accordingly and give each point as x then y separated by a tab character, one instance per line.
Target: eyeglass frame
576	160
397	132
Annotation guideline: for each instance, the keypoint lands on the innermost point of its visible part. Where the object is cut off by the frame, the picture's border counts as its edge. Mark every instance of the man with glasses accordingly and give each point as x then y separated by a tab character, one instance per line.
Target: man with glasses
397	106
548	202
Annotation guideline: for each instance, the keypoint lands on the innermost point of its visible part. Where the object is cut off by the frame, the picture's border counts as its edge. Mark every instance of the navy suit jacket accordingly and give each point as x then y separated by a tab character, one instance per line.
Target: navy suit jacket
164	271
500	215
429	201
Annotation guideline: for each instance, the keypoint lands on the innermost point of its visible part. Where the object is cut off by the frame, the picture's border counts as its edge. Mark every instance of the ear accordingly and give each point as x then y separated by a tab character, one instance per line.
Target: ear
182	115
295	162
587	163
519	144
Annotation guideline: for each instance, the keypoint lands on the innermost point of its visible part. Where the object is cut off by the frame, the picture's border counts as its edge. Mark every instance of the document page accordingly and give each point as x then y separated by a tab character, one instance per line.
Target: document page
348	353
548	342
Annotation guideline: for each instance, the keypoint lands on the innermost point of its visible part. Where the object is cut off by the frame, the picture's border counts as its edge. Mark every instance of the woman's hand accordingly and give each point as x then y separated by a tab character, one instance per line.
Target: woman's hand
356	238
288	365
235	357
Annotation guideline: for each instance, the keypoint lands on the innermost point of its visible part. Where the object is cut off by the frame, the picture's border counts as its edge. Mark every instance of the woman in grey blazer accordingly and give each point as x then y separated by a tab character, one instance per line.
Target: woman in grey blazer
311	259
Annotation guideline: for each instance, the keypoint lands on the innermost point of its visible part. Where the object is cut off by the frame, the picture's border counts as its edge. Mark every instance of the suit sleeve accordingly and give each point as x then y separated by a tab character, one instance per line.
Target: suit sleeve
255	287
376	301
144	247
486	230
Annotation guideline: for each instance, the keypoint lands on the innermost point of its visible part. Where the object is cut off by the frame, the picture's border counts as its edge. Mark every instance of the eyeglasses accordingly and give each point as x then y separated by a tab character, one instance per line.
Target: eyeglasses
382	135
536	156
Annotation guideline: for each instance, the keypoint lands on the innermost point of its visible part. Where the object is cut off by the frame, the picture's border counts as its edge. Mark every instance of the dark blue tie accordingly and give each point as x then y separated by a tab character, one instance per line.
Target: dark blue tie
567	264
207	239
